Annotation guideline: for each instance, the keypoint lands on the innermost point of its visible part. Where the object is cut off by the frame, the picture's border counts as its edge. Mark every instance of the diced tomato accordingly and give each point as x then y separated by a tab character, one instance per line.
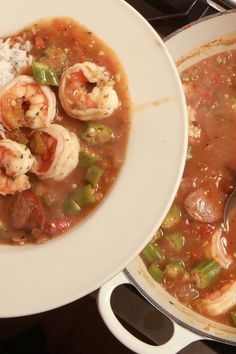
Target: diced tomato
49	229
57	226
206	230
50	144
45	165
39	42
193	253
206	94
63	225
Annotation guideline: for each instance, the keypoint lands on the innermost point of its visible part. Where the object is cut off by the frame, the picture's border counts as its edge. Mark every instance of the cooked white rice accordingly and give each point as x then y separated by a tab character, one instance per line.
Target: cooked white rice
13	59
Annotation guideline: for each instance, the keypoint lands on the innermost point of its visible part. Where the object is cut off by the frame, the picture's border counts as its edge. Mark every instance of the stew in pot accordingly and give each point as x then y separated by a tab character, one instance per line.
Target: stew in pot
192	255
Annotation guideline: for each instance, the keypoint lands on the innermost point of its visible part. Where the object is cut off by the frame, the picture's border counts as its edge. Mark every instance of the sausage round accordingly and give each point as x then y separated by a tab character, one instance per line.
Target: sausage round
27	211
203	205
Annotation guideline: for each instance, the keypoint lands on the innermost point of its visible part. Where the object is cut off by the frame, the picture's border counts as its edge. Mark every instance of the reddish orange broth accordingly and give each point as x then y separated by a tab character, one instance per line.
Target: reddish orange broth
210	88
80	45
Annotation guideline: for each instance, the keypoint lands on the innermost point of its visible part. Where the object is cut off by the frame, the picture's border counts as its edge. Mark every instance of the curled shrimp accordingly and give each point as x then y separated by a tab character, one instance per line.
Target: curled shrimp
15	161
219	301
56	151
9	185
25	103
86	92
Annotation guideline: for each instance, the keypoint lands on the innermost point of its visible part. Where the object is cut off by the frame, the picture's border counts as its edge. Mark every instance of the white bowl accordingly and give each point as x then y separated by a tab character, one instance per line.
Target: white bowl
38	278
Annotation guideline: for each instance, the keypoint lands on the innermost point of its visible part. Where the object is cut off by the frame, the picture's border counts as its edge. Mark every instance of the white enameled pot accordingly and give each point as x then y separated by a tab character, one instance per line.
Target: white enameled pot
187	46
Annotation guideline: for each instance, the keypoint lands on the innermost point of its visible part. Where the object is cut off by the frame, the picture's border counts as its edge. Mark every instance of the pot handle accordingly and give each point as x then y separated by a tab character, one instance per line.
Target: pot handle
180	339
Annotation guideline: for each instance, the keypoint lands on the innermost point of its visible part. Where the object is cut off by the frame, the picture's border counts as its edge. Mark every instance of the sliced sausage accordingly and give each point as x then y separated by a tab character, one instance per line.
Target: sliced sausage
26	211
204	205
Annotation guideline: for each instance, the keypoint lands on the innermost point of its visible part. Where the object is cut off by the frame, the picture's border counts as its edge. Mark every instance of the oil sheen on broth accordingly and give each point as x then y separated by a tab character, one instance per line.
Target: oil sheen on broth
65	120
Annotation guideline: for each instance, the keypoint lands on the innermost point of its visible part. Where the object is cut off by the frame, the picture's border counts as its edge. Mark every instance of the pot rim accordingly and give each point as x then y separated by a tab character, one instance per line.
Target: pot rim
200	20
183	324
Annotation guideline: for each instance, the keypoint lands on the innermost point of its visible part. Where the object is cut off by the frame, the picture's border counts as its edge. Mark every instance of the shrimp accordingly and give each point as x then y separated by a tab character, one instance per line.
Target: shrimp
56	151
203	204
9	185
25	103
15	161
219	249
219	301
216	248
86	92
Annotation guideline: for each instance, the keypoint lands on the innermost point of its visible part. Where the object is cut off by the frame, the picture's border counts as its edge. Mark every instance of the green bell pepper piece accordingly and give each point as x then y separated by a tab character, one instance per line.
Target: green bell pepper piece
84	196
205	273
172	218
152	253
87	158
156	273
158	234
44	75
93	176
95	134
70	207
177	240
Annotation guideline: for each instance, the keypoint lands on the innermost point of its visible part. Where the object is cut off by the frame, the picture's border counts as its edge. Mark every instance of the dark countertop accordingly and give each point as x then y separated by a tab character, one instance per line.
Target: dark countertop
77	328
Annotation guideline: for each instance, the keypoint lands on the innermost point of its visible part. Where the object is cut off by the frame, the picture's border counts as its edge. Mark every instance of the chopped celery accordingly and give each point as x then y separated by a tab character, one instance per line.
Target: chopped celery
177	241
233	317
174	268
84	195
93	176
172	218
152	253
70	207
80	197
204	273
158	234
156	273
87	158
94	133
44	75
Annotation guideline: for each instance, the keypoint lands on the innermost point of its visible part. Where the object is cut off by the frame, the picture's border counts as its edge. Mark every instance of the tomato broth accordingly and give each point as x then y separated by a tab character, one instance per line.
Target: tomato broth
50	207
192	255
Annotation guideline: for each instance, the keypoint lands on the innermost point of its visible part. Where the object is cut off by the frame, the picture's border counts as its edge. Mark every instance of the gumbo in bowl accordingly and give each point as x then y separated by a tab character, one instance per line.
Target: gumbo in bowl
64	115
